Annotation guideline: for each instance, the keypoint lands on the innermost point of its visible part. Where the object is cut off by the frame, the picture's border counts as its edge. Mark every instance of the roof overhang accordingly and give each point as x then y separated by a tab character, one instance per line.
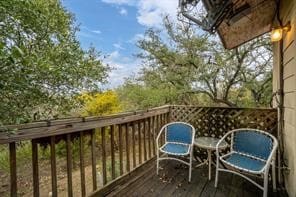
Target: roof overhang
255	21
239	21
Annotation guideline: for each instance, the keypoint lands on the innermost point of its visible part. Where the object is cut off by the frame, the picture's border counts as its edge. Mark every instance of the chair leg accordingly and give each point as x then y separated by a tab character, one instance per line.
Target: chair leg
190	166
265	184
273	176
217	171
157	162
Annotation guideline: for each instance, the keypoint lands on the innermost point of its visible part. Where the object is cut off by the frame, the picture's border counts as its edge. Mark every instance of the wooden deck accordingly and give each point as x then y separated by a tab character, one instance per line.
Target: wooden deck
173	181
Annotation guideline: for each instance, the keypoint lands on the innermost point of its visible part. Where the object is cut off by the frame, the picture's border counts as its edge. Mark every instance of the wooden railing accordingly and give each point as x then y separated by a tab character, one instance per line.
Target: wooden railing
116	143
113	146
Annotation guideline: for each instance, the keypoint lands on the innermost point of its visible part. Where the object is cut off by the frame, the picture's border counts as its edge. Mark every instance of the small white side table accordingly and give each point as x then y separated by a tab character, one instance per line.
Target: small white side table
208	143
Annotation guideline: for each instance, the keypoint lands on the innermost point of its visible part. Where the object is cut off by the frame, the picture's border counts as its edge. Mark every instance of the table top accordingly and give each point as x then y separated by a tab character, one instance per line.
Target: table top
209	143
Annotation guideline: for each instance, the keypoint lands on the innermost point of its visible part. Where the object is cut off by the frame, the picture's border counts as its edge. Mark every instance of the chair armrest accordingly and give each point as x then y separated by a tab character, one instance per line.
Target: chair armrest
222	139
273	151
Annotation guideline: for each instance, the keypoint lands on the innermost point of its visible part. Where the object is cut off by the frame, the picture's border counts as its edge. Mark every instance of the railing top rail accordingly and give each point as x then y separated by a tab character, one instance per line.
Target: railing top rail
70	125
221	107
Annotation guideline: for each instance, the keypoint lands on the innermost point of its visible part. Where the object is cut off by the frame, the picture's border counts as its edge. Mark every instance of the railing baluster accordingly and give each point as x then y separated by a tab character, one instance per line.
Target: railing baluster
35	168
13	177
144	136
82	170
112	152
149	136
153	134
140	142
104	155
134	144
93	159
69	165
167	117
161	125
120	150
127	147
54	187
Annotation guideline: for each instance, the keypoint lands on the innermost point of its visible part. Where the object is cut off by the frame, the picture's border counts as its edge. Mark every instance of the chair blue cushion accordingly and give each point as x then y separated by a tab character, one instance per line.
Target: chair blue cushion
175	149
180	133
244	162
252	143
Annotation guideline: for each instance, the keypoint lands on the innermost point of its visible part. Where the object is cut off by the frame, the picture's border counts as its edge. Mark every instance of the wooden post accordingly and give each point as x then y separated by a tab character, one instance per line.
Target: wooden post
144	137
140	142
93	159
153	134
112	152
82	170
13	177
120	150
134	144
69	165
104	155
54	186
149	136
127	148
35	168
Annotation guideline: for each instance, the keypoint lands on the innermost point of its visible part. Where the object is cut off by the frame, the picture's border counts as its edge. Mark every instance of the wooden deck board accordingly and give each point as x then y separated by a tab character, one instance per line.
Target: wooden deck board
173	181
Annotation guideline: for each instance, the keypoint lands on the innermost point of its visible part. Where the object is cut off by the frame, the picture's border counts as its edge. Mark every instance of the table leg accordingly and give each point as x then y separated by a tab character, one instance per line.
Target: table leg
210	163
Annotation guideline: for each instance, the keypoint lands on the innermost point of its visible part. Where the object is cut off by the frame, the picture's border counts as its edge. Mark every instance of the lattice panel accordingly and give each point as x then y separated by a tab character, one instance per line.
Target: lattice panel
216	121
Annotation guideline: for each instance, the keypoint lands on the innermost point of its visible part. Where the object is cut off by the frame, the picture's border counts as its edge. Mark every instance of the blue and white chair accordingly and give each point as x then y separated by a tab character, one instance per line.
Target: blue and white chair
179	139
252	151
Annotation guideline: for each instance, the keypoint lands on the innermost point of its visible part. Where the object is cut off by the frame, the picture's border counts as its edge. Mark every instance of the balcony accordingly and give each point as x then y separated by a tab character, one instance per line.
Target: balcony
114	155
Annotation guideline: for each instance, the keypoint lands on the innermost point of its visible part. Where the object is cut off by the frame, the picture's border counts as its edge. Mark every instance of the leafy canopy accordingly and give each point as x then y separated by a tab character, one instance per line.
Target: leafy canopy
183	66
42	64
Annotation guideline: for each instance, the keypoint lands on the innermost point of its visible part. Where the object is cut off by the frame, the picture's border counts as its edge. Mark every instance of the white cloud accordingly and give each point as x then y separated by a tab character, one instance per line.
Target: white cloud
96	31
136	38
123	11
120	2
118	46
150	12
123	68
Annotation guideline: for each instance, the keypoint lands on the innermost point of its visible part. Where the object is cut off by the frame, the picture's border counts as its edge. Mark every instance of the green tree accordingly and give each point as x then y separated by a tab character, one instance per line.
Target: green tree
199	70
42	64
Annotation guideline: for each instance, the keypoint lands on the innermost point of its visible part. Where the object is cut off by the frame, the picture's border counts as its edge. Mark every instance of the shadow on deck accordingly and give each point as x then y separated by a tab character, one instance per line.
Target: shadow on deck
173	181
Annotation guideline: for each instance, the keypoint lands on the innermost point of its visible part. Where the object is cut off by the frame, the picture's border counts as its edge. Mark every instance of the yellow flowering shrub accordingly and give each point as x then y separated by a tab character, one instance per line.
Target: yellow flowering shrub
99	104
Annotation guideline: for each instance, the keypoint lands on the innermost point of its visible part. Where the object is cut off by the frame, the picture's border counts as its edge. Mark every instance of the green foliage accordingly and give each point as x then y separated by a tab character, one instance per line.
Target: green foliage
23	155
182	66
42	63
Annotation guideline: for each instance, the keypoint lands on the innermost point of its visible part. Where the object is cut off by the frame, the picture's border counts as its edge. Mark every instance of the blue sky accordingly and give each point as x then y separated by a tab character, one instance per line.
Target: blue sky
114	26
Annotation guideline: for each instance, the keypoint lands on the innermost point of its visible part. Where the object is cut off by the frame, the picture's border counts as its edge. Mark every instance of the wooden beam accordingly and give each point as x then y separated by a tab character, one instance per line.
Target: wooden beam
70	126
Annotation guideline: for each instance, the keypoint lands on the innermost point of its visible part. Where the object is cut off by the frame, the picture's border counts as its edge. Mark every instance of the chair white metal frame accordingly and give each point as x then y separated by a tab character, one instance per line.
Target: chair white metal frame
179	141
252	152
